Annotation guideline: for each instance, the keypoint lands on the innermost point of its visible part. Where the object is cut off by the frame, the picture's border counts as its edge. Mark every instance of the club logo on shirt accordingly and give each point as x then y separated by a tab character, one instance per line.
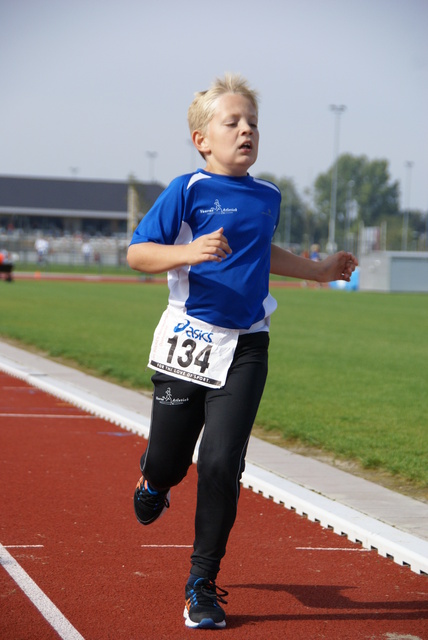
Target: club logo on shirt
218	209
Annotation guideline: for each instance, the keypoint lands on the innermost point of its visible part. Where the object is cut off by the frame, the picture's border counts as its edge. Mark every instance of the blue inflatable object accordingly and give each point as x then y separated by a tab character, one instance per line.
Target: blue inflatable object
352	285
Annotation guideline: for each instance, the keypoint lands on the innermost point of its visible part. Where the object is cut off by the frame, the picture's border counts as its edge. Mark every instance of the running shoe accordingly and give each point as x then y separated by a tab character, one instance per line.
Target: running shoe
202	610
149	504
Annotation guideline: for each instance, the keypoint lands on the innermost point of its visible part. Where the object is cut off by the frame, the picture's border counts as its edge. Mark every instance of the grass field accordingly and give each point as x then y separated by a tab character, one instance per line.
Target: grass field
81	269
348	372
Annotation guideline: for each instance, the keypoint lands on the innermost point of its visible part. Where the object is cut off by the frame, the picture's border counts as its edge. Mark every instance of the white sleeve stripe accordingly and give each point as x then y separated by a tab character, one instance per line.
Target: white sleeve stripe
267	184
195	178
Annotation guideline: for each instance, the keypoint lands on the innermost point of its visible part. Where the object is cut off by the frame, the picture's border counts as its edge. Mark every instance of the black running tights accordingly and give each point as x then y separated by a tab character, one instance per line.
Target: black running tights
180	411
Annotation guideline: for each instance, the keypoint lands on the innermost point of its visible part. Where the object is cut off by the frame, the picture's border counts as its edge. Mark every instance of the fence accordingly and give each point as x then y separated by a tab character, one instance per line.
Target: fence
66	250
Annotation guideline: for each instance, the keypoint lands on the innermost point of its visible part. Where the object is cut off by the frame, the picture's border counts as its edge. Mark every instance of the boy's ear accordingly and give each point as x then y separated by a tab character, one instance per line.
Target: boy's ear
200	142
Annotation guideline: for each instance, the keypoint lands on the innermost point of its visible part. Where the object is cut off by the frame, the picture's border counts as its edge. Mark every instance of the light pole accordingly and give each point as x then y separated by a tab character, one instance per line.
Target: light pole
408	165
349	188
331	244
192	155
152	155
426	230
288	203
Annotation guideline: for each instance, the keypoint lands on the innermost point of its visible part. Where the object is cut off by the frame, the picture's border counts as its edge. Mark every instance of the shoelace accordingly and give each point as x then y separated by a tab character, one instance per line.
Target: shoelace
153	500
208	593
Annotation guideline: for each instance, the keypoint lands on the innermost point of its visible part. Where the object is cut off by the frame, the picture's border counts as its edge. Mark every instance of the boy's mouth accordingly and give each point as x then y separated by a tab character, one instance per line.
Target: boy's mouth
246	145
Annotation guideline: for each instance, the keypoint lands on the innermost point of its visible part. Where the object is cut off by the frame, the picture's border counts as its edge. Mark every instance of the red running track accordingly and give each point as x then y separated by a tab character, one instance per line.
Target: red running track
67	521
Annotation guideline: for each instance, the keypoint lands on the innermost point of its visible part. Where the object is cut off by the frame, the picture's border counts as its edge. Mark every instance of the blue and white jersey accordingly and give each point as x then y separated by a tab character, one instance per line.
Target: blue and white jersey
233	293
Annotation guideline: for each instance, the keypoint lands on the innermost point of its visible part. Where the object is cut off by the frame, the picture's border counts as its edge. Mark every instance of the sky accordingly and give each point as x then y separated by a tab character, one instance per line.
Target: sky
99	89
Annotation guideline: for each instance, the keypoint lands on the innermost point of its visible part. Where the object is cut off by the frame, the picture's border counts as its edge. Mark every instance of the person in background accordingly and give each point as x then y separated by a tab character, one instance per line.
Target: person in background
6	265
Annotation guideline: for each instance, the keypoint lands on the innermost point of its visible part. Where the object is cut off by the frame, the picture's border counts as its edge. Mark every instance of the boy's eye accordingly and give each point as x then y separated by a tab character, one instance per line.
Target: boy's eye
235	123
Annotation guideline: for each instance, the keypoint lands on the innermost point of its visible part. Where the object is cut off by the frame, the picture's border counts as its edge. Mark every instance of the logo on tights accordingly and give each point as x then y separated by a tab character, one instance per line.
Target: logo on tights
168	399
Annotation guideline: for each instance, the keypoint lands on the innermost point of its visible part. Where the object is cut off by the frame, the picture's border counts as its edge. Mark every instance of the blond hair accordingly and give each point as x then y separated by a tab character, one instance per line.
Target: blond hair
203	106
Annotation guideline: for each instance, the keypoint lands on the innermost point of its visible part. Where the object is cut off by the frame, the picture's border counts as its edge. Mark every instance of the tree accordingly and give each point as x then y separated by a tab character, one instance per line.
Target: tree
368	183
291	225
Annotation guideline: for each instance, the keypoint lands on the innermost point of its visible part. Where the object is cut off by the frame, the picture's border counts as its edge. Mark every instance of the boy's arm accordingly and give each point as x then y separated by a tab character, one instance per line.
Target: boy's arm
338	266
150	257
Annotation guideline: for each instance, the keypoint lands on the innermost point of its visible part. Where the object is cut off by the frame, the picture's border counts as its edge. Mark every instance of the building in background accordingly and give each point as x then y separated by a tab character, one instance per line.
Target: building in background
60	206
394	271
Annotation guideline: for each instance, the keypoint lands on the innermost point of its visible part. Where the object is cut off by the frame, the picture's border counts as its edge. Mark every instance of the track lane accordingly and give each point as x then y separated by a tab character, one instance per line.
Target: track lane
67	480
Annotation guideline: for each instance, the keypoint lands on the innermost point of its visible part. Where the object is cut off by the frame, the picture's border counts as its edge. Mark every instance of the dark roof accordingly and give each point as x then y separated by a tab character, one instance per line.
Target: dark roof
72	194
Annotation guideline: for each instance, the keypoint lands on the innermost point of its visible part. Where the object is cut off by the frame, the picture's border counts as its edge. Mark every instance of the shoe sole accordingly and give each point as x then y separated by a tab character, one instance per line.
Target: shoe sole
206	623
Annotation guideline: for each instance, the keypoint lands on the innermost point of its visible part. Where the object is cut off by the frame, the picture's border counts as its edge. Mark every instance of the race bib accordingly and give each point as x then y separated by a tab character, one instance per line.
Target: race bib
185	347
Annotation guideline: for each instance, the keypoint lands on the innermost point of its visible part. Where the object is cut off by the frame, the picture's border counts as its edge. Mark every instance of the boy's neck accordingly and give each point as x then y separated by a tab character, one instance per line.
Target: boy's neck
229	174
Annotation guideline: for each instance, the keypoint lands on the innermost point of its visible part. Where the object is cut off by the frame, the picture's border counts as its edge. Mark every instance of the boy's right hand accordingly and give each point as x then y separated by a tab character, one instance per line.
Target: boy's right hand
212	247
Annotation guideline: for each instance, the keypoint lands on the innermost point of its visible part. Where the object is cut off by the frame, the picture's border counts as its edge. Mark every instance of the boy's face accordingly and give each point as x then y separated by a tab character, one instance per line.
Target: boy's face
231	141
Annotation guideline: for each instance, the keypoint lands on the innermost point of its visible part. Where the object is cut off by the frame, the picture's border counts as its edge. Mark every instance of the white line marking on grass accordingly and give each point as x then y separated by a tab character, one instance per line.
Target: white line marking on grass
49	611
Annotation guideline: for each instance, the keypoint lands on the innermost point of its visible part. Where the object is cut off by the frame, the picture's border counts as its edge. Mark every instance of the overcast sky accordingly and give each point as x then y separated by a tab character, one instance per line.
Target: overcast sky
90	88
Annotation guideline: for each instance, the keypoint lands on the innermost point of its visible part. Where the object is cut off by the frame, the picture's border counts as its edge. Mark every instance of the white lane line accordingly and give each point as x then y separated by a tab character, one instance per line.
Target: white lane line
23	546
331	549
49	611
17	388
167	546
46	415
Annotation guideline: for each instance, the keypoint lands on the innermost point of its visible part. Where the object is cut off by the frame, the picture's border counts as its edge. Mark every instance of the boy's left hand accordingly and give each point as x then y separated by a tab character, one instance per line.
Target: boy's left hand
338	266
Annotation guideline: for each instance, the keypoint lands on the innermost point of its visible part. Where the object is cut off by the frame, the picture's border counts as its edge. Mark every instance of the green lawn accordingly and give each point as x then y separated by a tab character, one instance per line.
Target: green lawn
348	372
81	269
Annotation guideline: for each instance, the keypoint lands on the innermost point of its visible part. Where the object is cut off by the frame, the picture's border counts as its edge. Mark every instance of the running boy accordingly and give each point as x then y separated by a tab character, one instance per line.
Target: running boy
211	231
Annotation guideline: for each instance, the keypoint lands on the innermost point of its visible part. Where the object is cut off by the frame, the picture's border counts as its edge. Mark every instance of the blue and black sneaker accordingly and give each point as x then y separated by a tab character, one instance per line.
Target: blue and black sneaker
149	504
202	610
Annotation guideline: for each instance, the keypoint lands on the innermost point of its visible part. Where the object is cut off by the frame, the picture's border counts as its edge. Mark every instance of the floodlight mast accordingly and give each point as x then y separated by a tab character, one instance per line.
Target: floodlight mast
331	243
409	164
152	155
